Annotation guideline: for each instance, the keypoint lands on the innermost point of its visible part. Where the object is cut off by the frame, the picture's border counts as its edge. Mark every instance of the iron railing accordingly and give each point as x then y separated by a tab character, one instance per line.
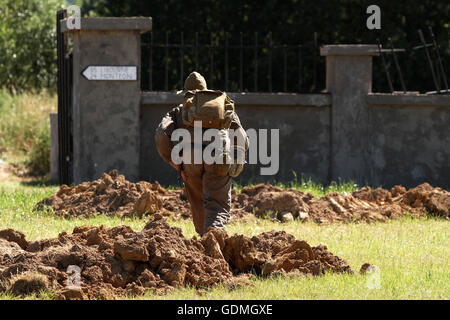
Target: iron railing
231	62
430	61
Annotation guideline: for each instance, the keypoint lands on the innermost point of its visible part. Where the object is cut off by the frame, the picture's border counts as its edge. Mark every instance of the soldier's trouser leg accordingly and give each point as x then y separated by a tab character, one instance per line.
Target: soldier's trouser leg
194	192
216	199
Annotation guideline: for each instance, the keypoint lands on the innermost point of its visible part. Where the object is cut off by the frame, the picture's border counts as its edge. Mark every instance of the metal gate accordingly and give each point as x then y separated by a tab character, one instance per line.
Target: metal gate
65	145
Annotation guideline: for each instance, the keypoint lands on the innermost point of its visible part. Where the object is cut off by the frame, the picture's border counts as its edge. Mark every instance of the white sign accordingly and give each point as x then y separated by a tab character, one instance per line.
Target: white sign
110	73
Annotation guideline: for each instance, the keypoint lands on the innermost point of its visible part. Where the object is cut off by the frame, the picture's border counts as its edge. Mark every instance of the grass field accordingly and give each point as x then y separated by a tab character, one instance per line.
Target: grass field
412	255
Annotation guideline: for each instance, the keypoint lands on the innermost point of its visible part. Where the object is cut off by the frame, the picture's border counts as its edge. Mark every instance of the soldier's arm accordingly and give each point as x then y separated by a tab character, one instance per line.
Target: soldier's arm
240	145
164	132
240	134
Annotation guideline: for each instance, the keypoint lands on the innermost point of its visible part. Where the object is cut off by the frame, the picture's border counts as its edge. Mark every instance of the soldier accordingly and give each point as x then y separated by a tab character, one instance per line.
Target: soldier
207	186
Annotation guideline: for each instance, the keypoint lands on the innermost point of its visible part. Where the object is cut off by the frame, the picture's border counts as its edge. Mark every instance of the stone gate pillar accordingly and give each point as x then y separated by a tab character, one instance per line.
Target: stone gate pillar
349	80
106	101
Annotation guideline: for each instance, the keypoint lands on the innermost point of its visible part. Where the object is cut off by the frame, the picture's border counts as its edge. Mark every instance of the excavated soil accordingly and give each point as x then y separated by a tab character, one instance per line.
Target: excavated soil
119	261
365	204
113	194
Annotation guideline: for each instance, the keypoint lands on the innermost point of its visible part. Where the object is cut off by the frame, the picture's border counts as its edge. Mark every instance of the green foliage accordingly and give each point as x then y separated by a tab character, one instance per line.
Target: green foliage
25	129
292	22
28	43
28	39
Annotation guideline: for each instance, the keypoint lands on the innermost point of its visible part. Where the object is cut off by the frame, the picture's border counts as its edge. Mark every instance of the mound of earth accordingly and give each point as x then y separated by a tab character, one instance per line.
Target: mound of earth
113	194
109	262
365	204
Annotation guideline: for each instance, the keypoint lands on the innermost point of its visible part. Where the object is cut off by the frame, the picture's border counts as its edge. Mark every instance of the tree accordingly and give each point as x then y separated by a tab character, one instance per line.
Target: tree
295	21
28	43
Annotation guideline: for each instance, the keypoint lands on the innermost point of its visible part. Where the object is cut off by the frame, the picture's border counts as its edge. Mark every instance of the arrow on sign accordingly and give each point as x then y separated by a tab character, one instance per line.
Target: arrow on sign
127	73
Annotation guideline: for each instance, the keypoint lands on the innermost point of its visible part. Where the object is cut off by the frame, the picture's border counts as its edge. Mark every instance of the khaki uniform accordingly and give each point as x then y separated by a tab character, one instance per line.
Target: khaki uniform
208	193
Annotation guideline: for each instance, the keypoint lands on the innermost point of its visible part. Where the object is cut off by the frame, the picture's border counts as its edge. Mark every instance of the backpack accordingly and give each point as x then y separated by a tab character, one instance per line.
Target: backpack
213	107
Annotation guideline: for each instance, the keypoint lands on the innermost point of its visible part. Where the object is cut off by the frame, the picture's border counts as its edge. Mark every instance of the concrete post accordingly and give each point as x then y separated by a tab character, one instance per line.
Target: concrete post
106	112
349	80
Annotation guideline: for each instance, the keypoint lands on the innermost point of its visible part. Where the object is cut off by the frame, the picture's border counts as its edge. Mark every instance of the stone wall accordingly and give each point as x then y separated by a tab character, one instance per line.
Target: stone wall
348	133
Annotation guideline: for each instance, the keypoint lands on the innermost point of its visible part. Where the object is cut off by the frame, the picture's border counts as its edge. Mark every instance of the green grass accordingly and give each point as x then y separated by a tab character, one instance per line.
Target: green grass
25	129
412	255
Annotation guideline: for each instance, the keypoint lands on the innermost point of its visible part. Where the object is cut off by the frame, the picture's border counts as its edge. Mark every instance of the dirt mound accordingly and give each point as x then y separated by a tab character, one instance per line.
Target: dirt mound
29	283
113	194
365	204
120	261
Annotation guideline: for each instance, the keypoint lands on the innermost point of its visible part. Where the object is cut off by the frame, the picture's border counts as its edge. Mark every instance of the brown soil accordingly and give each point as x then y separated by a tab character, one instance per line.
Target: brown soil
120	261
114	195
29	283
365	204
